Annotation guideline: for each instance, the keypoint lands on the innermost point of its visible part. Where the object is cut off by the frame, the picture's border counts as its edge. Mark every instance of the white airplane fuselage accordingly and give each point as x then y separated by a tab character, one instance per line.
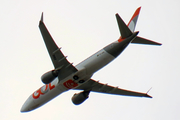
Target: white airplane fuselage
85	70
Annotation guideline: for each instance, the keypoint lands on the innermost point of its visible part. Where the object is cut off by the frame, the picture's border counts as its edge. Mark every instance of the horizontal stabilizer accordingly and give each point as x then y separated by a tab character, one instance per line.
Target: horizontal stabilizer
140	40
123	28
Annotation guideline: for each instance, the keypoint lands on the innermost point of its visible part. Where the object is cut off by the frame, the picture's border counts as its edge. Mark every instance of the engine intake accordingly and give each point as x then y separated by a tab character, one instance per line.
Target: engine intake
49	76
79	98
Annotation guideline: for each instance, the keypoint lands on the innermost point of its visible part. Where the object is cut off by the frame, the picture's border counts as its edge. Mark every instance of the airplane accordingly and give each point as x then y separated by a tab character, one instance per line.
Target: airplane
66	77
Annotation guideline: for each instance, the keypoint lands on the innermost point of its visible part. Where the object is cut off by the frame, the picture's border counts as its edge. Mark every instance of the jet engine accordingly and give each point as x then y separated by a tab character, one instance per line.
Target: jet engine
49	76
79	98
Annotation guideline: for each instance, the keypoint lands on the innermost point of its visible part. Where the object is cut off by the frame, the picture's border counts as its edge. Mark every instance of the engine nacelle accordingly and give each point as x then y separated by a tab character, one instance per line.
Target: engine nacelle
49	76
79	98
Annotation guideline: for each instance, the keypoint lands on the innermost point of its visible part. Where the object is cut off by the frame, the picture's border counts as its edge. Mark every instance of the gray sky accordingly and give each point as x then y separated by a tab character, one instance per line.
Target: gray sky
82	28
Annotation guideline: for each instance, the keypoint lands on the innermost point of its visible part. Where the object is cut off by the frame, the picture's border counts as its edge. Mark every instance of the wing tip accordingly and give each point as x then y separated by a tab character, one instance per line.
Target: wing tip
148	96
41	20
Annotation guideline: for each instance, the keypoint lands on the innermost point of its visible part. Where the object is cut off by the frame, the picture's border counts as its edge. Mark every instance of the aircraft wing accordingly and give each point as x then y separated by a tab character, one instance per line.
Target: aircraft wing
95	86
58	59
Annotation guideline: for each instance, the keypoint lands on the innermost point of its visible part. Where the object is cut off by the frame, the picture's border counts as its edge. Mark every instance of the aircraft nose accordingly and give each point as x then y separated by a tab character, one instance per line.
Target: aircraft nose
24	108
27	106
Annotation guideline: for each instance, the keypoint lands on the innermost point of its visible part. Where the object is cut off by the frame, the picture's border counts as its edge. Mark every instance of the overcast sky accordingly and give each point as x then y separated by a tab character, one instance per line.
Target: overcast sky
81	28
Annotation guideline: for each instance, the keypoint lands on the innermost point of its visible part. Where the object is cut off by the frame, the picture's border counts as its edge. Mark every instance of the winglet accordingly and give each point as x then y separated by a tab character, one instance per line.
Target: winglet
41	17
147	93
148	90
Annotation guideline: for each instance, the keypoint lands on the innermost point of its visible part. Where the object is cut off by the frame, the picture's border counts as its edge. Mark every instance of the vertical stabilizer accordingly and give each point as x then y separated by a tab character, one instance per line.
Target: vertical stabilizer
128	30
133	21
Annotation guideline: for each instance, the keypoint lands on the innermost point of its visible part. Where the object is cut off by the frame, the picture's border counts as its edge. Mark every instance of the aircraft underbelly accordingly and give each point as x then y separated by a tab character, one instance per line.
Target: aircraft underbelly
96	62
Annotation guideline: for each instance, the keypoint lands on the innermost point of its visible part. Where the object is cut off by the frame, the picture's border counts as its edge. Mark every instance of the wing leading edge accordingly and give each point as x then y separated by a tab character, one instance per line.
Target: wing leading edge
95	86
58	59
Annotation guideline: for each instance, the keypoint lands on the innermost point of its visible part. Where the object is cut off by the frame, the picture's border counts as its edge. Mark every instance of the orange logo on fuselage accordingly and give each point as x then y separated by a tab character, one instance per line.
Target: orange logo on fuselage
70	84
41	91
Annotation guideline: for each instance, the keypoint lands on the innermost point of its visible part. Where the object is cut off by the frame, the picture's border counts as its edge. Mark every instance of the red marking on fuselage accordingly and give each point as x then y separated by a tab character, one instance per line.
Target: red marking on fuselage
42	91
51	87
70	84
121	39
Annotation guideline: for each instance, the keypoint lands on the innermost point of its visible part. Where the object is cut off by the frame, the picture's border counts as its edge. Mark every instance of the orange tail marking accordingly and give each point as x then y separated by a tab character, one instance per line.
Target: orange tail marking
121	39
135	14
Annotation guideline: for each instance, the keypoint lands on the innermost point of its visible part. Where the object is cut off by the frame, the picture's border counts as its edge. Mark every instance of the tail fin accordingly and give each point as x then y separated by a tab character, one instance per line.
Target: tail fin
128	30
132	22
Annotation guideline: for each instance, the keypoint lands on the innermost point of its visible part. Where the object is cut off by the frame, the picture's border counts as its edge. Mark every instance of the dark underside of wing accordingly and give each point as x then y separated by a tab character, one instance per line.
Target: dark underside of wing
58	59
95	86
